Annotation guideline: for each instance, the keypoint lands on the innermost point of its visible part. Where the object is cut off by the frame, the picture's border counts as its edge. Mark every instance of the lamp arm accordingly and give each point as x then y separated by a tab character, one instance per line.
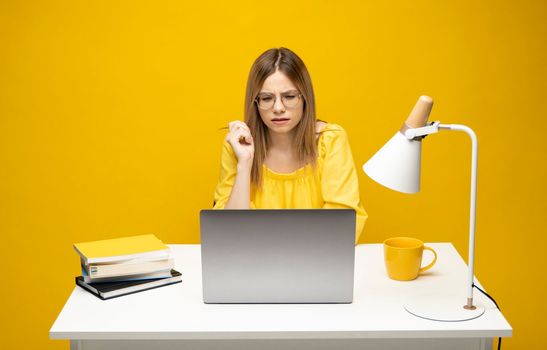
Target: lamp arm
472	213
420	133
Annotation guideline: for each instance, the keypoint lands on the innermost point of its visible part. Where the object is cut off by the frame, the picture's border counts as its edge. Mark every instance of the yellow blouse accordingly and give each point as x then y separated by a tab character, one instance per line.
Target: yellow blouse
334	184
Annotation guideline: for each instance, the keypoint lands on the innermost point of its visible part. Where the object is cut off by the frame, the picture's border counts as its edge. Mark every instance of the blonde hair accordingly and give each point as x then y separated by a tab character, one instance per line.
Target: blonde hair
293	67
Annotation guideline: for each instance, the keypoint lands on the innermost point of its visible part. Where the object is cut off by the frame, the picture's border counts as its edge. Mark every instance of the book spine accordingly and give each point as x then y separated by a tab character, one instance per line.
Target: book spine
112	270
157	254
146	276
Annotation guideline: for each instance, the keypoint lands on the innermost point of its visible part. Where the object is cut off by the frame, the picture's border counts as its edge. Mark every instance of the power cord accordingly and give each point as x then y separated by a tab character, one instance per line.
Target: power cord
489	297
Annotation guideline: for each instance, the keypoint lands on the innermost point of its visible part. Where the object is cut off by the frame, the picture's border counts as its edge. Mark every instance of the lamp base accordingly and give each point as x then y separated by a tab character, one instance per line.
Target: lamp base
443	309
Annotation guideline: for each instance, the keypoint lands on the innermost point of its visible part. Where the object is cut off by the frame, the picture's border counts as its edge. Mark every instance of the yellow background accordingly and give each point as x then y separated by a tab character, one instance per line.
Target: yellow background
109	114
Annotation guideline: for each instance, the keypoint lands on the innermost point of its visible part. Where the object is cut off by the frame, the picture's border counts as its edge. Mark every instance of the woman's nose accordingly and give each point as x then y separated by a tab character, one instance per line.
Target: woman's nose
278	106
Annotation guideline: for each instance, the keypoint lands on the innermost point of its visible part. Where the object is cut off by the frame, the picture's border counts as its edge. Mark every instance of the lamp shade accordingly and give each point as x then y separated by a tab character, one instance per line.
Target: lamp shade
397	164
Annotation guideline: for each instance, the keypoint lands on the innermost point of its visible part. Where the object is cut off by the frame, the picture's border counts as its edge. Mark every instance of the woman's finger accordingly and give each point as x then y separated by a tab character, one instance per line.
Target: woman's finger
239	127
243	135
239	133
240	124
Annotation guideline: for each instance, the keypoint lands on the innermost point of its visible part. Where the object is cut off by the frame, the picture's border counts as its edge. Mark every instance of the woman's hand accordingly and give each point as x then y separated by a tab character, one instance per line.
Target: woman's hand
241	141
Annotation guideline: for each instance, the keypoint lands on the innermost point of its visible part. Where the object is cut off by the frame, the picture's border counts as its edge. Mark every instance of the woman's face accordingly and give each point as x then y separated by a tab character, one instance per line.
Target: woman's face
281	118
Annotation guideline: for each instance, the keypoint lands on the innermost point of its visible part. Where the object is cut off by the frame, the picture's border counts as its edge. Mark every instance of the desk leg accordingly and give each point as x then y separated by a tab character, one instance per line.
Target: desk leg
487	343
75	345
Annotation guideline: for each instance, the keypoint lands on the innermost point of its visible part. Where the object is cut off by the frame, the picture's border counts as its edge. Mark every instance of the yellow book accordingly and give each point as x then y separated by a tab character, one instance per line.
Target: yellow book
121	249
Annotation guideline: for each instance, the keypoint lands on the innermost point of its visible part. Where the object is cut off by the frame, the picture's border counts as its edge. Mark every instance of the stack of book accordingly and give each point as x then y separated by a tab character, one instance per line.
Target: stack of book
120	266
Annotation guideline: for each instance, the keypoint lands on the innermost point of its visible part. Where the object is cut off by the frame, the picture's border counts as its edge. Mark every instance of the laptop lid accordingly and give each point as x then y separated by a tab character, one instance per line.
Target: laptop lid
278	255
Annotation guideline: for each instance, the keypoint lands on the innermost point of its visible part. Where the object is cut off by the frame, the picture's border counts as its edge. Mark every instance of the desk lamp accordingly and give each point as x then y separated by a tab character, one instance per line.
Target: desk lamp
397	166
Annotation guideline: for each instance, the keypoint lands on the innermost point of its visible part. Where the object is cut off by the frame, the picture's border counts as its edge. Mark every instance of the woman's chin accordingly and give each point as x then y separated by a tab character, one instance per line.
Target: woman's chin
281	129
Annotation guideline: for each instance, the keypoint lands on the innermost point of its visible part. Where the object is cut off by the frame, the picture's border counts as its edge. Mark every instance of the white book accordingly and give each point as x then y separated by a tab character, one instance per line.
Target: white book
128	268
146	276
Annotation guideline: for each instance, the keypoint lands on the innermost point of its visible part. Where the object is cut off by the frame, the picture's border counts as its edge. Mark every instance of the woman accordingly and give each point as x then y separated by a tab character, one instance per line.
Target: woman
283	157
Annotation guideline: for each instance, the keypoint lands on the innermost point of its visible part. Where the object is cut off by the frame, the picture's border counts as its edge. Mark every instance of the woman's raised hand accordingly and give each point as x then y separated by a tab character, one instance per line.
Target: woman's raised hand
241	141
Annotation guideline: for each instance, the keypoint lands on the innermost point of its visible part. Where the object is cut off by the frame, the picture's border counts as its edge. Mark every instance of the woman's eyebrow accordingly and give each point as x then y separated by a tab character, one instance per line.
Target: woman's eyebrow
284	92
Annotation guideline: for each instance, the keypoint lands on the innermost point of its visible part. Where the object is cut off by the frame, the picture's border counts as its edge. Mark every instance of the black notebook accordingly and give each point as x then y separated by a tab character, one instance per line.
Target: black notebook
109	290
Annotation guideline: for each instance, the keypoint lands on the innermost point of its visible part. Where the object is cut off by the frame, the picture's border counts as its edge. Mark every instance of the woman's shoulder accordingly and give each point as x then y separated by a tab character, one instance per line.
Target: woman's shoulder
330	131
332	135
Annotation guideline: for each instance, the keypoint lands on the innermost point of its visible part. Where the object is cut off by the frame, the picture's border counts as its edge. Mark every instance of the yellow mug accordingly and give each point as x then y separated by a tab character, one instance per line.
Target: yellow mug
403	257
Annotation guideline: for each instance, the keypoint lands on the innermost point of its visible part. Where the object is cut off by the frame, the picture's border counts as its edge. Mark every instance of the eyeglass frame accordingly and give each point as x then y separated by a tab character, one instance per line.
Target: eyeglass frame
299	94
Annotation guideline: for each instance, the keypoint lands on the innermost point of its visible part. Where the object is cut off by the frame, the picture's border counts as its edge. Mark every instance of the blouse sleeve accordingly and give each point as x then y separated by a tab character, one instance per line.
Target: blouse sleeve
227	177
228	172
339	183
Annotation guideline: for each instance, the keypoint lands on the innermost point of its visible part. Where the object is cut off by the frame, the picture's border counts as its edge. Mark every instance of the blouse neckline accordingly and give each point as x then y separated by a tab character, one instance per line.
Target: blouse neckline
300	172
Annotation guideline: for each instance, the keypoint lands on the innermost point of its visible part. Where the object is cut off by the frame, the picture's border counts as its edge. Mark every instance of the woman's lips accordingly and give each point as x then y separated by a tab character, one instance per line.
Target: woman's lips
280	121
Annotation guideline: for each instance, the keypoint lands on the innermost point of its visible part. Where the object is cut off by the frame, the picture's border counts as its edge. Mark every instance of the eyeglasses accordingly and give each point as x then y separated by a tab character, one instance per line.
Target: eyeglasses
290	99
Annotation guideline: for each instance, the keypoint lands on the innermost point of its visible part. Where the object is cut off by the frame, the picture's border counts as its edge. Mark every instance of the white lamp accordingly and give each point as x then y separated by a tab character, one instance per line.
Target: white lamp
397	166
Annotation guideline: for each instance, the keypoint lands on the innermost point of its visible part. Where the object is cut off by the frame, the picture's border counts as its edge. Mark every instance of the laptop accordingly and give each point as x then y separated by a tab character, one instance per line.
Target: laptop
277	255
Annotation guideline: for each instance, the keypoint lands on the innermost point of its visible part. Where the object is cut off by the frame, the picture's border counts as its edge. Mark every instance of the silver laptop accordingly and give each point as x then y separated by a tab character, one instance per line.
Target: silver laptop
278	255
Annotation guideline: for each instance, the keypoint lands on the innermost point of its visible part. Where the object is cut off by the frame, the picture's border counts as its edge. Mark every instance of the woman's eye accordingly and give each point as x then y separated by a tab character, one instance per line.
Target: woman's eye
290	97
266	99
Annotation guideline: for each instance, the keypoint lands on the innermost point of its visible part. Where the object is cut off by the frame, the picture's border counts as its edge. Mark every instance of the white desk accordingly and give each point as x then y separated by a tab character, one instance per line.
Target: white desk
175	317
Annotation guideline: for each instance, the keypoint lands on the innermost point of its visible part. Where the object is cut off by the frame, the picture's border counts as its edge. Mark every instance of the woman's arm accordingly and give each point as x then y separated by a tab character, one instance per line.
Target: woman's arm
240	197
241	144
339	183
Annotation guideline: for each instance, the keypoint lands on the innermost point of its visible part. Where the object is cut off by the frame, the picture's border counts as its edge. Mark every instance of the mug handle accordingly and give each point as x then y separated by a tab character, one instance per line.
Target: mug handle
425	268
